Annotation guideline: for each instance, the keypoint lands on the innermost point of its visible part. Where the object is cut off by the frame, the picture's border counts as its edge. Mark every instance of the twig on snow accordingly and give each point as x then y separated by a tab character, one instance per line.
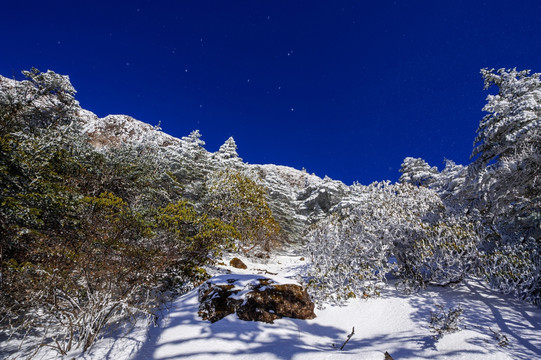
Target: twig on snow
349	337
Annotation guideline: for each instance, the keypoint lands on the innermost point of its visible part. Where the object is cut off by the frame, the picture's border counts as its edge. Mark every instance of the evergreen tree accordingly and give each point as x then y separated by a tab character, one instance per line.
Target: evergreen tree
191	165
513	113
507	156
417	172
228	153
505	173
43	100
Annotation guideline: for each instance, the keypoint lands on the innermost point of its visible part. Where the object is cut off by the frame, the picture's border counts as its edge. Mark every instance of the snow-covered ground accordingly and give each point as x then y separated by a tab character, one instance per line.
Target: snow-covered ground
393	323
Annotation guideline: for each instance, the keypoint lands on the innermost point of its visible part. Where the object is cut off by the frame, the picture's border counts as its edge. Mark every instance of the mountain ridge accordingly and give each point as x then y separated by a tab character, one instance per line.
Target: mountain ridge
296	197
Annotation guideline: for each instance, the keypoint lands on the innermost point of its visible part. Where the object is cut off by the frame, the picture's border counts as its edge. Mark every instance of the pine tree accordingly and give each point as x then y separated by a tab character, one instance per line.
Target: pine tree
417	172
227	154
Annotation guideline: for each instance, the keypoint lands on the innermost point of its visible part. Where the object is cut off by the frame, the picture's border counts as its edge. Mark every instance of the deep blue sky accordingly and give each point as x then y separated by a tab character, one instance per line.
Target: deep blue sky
343	88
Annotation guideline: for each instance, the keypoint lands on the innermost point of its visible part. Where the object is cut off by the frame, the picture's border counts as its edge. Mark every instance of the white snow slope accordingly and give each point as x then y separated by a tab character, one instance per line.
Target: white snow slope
393	323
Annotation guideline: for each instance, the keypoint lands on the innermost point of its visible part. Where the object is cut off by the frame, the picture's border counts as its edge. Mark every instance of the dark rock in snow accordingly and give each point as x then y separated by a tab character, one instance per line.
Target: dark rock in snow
253	299
237	263
277	301
215	302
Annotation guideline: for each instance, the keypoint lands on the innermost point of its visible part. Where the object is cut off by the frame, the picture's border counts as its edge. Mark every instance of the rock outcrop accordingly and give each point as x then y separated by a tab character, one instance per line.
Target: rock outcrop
253	298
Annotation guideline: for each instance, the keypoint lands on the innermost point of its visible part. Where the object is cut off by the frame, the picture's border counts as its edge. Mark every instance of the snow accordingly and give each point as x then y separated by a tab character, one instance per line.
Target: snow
240	281
244	283
395	322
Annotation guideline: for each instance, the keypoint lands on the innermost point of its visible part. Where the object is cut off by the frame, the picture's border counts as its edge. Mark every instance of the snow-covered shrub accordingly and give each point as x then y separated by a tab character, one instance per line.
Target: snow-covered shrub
351	251
502	339
442	253
348	258
430	244
515	268
87	267
446	321
198	238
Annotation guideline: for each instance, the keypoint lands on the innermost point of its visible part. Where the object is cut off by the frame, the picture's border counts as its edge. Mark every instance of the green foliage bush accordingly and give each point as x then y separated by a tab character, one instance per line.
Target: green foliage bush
240	202
198	239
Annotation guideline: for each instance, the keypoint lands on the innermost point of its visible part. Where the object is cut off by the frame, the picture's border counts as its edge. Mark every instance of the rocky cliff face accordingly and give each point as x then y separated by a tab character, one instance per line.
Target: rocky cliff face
296	197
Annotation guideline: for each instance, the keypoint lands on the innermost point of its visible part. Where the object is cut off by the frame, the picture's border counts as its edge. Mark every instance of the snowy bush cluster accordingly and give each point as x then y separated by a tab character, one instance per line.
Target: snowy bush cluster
483	219
398	228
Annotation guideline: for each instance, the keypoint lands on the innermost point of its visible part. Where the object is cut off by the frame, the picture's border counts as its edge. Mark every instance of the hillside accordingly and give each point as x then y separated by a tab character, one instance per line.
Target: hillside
109	226
296	197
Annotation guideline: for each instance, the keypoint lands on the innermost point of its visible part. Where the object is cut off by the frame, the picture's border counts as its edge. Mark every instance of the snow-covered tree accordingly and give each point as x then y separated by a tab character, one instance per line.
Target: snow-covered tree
417	172
228	152
507	152
512	114
506	175
191	165
51	83
192	144
43	100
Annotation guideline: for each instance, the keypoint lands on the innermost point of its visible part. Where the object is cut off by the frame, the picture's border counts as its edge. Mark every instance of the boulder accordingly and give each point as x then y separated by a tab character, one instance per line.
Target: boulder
237	263
215	301
253	298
